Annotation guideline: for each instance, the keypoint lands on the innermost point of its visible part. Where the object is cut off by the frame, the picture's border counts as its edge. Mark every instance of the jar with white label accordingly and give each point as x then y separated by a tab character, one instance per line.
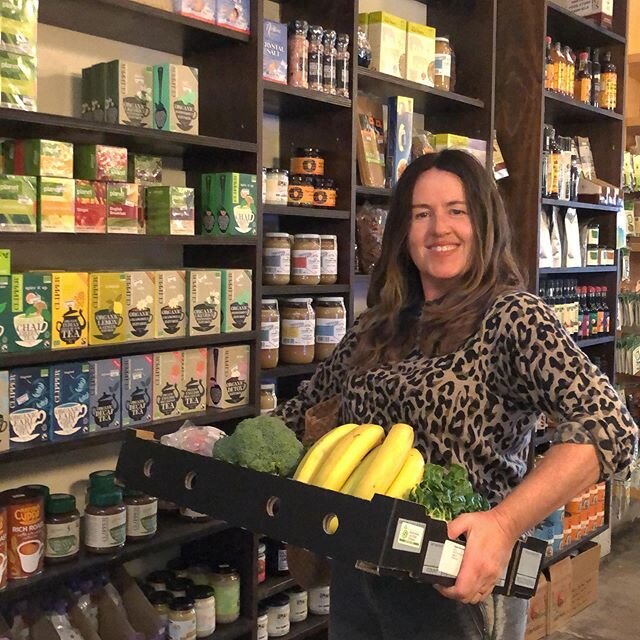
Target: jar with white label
182	619
205	604
268	399
306	259
297	331
62	525
142	515
442	76
105	521
320	600
269	334
331	325
263	623
328	259
276	259
278	624
277	186
298	604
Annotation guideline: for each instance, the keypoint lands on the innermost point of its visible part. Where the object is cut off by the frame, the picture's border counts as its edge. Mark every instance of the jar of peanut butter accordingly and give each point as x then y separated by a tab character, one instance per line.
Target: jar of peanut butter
328	259
331	325
306	259
269	334
297	331
276	259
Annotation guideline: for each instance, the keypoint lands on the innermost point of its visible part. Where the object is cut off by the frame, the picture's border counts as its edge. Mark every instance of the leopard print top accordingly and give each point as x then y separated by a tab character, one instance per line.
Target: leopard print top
478	406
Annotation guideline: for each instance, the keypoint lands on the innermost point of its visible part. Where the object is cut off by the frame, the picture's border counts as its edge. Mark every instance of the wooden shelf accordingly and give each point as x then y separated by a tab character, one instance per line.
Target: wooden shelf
311	626
559	271
303	289
274	585
565	553
288	370
592	342
283	100
576	204
305	212
237	629
381	193
578	32
561	109
94	240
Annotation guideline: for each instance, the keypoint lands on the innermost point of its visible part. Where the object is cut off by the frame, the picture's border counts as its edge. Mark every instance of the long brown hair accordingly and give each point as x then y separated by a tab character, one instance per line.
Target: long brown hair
397	312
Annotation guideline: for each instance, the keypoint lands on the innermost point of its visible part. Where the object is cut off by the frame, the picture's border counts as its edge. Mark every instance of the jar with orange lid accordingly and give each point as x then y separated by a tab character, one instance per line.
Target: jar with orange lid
307	161
306	259
331	325
297	331
276	259
328	259
269	334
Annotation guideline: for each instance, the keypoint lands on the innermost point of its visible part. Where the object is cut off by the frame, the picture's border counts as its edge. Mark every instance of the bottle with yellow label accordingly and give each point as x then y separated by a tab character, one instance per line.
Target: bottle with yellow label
608	83
560	68
583	80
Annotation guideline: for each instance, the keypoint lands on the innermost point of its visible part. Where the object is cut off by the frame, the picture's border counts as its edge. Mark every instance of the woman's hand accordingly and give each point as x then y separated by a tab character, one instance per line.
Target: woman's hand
487	553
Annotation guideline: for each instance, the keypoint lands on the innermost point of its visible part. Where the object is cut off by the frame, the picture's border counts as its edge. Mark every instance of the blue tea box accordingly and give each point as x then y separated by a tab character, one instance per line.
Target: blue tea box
69	400
137	390
234	14
400	134
105	401
274	59
4	410
29	406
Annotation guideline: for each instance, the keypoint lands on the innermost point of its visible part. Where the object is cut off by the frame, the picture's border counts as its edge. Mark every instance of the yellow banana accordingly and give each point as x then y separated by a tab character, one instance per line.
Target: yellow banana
410	475
319	451
360	470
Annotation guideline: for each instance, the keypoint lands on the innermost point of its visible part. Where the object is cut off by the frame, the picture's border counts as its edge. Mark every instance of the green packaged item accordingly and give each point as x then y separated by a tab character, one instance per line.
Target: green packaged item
38	157
5	313
127	93
18	81
146	170
170	211
175	98
228	204
100	162
30	328
93	92
18	203
123	208
19	26
5	262
56	205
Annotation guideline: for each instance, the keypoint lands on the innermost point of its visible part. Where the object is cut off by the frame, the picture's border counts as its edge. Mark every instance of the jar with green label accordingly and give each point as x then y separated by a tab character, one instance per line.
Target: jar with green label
62	524
105	521
226	585
142	515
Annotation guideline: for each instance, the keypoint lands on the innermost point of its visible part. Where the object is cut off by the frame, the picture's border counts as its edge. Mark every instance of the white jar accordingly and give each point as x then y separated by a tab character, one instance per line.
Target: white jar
263	624
205	602
320	600
278	616
298	604
277	186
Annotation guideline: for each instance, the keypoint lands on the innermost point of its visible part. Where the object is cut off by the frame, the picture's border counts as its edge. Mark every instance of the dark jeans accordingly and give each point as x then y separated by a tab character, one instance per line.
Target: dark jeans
367	607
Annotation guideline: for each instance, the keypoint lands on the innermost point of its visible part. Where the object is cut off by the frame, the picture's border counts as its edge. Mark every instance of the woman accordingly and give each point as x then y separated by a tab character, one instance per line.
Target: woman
453	345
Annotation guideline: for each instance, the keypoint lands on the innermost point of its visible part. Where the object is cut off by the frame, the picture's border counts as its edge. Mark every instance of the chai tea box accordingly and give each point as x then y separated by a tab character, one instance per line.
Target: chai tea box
236	300
274	56
31	306
29	406
128	90
107	293
170	211
100	162
56	205
175	98
42	158
205	292
4	410
228	204
123	208
105	394
6	319
228	369
137	390
91	207
18	203
69	400
171	304
70	309
234	14
140	305
204	10
167	382
421	53
193	390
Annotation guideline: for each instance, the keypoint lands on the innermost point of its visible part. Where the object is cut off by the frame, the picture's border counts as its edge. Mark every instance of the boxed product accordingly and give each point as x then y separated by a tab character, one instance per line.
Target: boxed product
5	262
105	394
477	148
559	594
234	14
205	288
69	400
140	305
274	58
194	380
100	162
4	410
399	136
228	204
50	158
370	141
137	390
175	98
171	303
236	300
198	9
29	405
107	292
19	26
170	211
5	314
91	206
600	11
123	208
127	93
388	40
70	304
167	380
30	328
18	203
537	613
421	53
229	376
19	81
585	568
145	170
57	205
88	102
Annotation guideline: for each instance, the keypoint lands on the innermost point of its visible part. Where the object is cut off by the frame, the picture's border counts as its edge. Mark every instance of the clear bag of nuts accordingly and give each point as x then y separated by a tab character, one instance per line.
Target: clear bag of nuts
370	223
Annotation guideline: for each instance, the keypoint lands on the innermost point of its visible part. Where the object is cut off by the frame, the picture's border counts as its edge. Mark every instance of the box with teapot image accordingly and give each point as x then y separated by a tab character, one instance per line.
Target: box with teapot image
205	289
167	381
228	384
69	400
30	326
128	90
140	305
107	293
29	406
70	309
137	390
236	300
171	303
4	410
105	394
228	204
194	380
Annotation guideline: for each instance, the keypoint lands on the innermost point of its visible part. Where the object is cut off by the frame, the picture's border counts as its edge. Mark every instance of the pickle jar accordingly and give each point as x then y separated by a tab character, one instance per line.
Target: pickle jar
306	259
331	325
276	259
269	334
328	259
297	331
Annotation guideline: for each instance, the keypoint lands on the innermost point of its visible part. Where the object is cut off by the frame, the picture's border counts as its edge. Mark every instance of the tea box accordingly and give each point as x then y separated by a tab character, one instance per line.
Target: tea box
234	14
193	390
175	98
400	110
42	158
236	300
19	81
91	108
105	394
69	400
198	9
599	11
70	304
107	292
123	208
205	288
388	39
128	88
274	57
4	410
100	162
170	211
140	305
228	376
6	319
167	380
29	406
5	262
19	22
228	204
145	170
56	205
91	207
30	328
137	390
171	303
476	147
18	203
421	53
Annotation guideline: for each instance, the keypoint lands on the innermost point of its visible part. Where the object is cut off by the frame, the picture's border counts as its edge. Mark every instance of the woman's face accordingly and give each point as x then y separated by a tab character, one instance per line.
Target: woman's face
440	241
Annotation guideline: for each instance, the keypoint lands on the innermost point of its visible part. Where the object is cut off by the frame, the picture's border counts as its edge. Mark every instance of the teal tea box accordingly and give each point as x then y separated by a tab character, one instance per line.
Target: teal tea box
4	410
228	204
69	400
170	211
29	406
137	390
128	91
105	394
175	98
18	203
30	328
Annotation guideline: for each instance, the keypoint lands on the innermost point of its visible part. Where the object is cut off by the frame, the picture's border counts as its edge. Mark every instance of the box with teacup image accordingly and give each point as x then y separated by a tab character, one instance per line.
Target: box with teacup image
30	328
137	390
167	380
70	309
205	289
236	300
4	410
175	98
193	396
69	400
171	303
228	204
29	406
170	211
107	292
140	305
228	384
105	394
128	88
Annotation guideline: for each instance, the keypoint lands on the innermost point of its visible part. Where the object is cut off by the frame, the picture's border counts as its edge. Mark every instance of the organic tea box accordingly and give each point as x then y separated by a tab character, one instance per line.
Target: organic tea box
29	406
105	394
193	390
70	304
198	9
18	203
5	262
171	303
228	204
128	91
234	14
274	57
388	40
167	380
4	410
123	208
236	300
175	98
42	158
228	376
107	293
69	400
100	162
170	211
205	289
140	305
19	22
399	135
89	94
31	323
91	206
145	170
6	319
421	53
19	81
56	205
137	390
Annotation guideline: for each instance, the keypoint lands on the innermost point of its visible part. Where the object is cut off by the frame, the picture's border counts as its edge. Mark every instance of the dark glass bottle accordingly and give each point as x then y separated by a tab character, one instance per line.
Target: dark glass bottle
595	78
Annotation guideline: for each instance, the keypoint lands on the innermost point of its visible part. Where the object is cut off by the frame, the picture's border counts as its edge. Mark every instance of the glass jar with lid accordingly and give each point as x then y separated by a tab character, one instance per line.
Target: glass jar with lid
306	259
225	581
331	325
324	193
328	259
268	399
277	186
307	161
278	612
182	619
298	47
205	605
297	331
161	601
276	259
142	515
298	603
263	623
269	334
301	191
442	78
62	525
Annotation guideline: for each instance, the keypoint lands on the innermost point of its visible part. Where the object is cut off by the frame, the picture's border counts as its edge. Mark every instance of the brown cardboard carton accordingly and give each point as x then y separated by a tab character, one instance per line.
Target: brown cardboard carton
537	616
585	569
559	595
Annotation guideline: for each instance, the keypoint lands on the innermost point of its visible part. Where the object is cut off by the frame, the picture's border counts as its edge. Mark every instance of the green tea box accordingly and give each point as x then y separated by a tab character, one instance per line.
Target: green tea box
137	390
170	211
107	293
42	158
123	208
228	204
19	26
5	262
4	410
167	380
88	94
140	305
6	320
170	304
236	300
205	289
31	304
57	205
91	206
228	372
100	162
145	170
175	98
128	92
193	390
18	203
19	81
105	394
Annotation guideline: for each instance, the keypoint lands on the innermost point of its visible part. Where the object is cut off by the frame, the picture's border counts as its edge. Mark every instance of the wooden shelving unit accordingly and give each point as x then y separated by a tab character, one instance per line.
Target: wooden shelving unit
582	206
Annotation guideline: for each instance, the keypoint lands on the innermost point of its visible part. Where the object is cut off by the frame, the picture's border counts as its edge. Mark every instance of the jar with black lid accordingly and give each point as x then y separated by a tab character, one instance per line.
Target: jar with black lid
301	191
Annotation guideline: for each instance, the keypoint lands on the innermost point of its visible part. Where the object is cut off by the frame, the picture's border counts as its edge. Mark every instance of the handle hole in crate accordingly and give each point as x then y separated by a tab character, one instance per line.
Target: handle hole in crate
330	523
148	466
190	480
273	506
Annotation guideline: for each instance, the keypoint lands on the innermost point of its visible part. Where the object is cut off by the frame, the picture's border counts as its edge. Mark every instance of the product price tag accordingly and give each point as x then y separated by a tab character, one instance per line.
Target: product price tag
451	558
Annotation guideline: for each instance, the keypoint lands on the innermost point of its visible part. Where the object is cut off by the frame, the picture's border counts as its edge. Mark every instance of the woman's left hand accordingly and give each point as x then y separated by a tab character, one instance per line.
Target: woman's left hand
487	553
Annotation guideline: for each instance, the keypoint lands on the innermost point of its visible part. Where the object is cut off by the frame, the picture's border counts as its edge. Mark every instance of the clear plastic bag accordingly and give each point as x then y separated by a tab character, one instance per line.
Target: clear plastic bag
195	439
370	223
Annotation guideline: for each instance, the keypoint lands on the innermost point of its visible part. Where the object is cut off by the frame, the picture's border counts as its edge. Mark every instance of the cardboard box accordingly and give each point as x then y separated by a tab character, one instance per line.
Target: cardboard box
171	302
175	98
477	148
107	292
585	570
236	300
69	400
140	305
70	304
56	205
123	208
204	10
560	595
421	53
388	40
18	203
4	410
205	292
399	136
170	211
128	93
19	81
88	101
91	207
6	317
19	26
137	390
228	204
193	396
370	140
537	614
41	158
145	170
29	406
5	262
600	11
100	162
274	57
228	369
105	388
167	380
31	306
234	14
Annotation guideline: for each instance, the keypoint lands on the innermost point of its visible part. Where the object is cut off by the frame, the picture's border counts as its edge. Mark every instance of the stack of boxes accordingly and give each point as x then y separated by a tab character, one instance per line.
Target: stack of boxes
232	14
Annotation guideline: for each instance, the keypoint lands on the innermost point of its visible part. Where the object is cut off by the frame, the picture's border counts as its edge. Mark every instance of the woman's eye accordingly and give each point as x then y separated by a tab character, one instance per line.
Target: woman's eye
458	212
417	215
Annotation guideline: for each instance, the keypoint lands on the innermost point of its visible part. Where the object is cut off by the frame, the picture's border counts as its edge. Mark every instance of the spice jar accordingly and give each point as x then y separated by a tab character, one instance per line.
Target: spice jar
277	186
161	601
159	579
306	259
342	65
315	57
3	546
269	334
276	259
268	400
442	79
324	193
320	600
297	331
593	234
331	325
298	604
329	62
278	623
263	623
62	525
142	515
307	161
105	521
301	191
226	585
182	619
262	562
205	604
298	54
328	259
